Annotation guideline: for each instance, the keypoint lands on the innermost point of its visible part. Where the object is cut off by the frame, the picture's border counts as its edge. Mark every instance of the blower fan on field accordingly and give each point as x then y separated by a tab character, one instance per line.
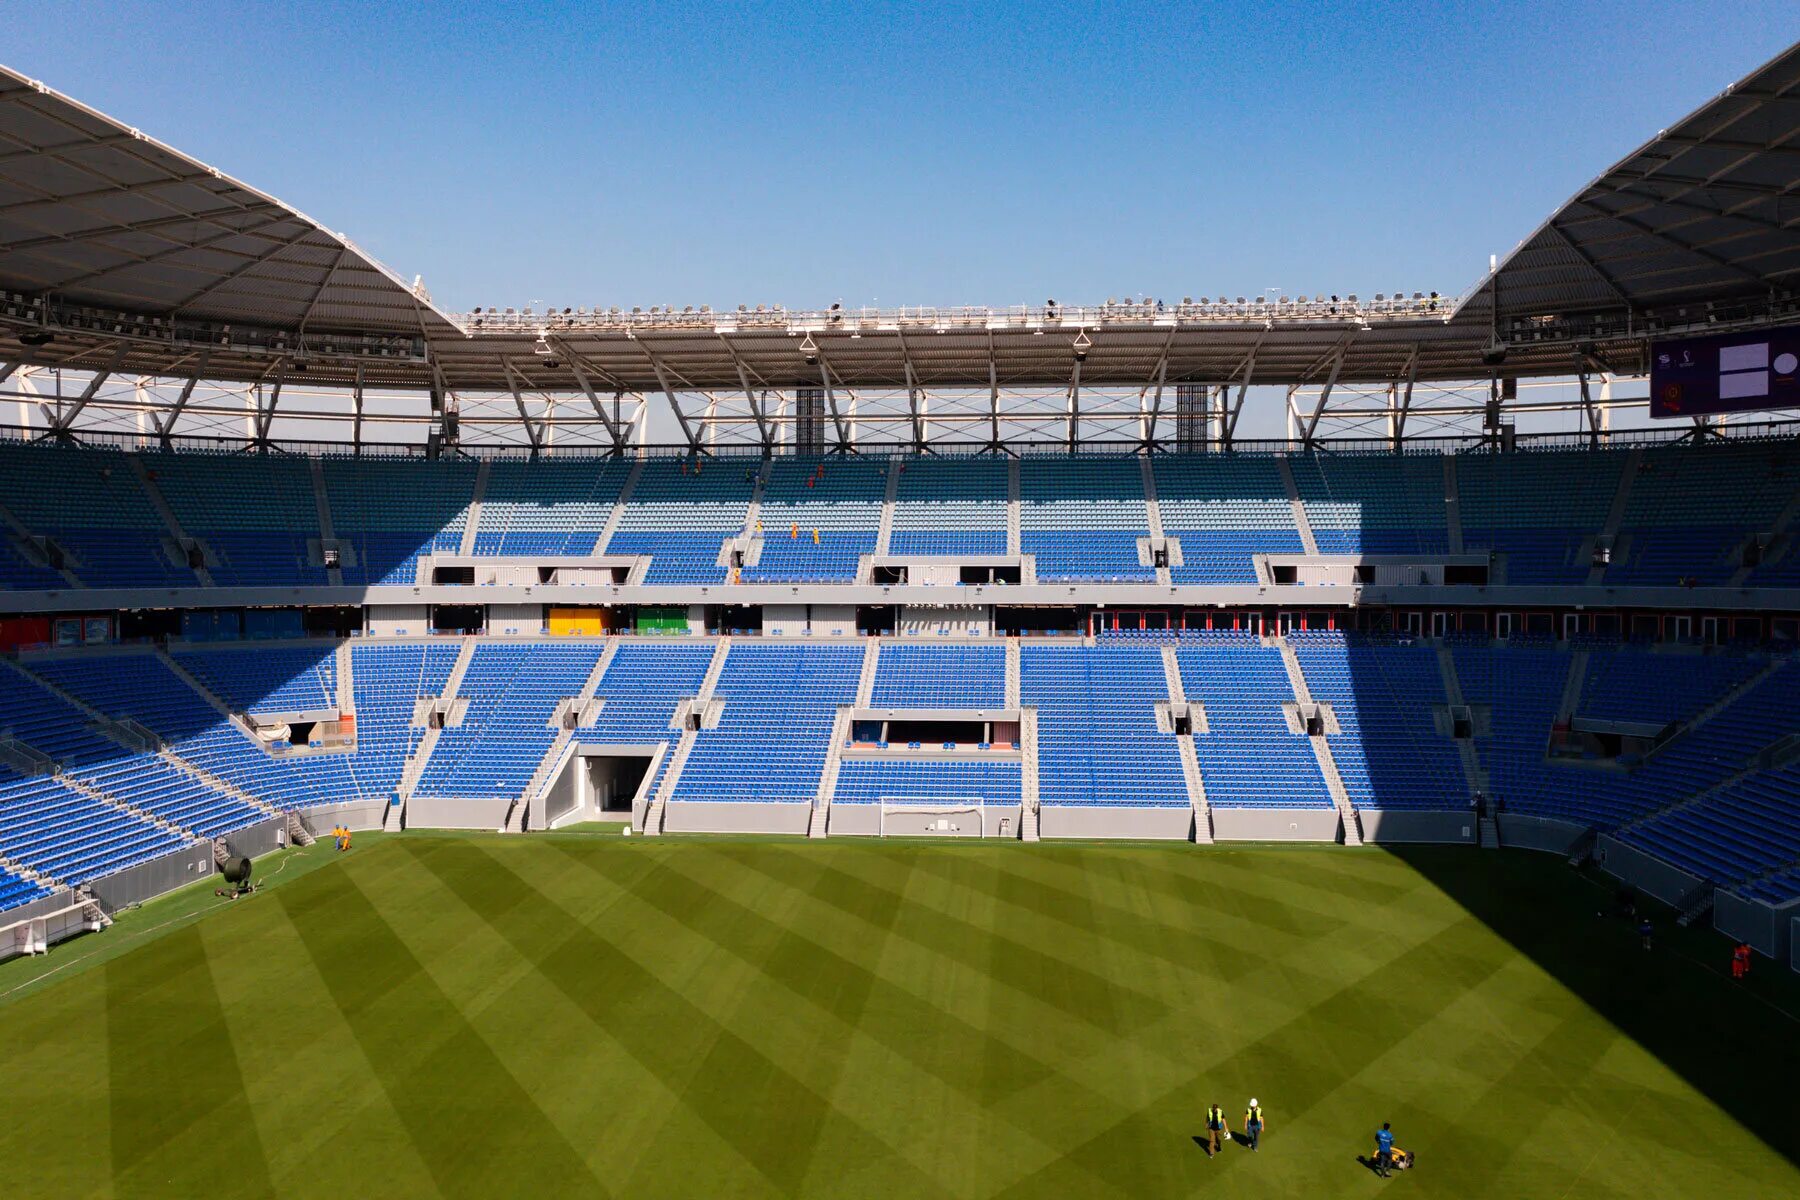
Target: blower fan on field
235	868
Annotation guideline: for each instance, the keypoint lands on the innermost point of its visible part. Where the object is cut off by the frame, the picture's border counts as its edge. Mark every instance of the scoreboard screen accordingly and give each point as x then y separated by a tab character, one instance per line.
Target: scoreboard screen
1738	372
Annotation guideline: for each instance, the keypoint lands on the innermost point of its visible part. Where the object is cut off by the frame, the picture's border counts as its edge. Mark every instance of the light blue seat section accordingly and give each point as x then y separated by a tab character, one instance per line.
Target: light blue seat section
950	506
1247	756
1523	688
909	781
49	724
1633	684
641	688
838	497
1098	741
1373	503
1691	508
681	511
16	890
1222	509
1536	508
1390	753
513	689
781	700
1740	832
940	677
1082	516
393	510
549	507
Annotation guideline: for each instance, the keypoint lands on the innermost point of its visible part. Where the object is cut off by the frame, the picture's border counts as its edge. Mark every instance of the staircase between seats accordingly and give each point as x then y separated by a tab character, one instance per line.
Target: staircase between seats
1301	522
1474	774
618	510
1013	539
1153	513
414	768
1615	516
1190	759
163	510
884	533
1013	684
1334	782
653	815
1452	506
549	767
472	515
322	505
865	683
1028	776
818	822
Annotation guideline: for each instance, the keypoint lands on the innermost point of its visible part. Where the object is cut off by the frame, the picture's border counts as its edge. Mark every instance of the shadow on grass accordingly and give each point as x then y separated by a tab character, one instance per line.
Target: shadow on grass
1737	1045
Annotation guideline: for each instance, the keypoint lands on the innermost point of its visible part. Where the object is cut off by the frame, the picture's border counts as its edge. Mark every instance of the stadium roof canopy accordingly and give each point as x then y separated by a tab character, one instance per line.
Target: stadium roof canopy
1698	226
103	225
120	255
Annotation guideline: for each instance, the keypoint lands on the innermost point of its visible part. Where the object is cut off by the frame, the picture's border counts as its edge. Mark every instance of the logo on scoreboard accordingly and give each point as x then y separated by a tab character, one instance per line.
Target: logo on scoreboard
1746	372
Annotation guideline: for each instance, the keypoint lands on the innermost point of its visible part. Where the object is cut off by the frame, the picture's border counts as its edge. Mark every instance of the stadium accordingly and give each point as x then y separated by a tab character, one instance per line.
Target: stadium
896	751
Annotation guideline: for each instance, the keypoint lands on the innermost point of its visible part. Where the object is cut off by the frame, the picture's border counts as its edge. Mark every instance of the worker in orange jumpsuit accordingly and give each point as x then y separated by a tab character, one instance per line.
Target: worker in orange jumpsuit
1740	961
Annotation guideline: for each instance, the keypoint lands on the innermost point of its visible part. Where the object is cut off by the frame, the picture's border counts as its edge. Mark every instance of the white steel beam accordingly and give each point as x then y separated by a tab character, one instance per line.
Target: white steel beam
1405	406
750	396
66	419
581	366
165	428
1337	365
1074	406
912	393
532	433
993	366
837	418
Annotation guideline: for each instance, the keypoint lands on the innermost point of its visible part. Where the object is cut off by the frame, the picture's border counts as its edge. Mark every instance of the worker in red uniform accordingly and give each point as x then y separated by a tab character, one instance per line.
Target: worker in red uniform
1740	961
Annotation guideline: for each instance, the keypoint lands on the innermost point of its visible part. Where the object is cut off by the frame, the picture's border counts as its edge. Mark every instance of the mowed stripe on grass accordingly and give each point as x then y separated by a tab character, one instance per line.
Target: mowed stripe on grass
480	1016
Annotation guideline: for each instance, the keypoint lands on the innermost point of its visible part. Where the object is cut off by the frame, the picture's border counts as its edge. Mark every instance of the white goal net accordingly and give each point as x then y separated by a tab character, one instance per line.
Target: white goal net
949	816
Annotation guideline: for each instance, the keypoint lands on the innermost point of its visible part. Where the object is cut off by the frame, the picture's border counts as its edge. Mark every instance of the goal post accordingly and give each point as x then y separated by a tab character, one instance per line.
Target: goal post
946	816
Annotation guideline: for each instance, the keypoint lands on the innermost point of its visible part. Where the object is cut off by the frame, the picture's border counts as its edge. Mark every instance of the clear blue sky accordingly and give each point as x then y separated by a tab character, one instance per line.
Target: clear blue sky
656	152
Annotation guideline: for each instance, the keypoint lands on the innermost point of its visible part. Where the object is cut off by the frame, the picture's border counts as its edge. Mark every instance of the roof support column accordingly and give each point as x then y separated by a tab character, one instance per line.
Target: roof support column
837	418
533	433
993	395
1147	429
668	389
1397	425
1075	403
356	400
65	419
579	366
165	428
750	396
1337	365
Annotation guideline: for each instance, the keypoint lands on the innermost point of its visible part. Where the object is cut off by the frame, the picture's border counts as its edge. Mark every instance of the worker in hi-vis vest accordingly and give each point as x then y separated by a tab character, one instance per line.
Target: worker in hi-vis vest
1253	1123
1217	1131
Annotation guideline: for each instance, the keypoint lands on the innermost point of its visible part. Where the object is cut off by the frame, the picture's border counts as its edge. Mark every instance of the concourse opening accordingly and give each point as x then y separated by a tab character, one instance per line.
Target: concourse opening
458	618
614	779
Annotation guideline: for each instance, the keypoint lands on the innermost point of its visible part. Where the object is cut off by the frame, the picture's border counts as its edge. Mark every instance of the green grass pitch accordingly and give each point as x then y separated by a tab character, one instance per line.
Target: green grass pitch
553	1016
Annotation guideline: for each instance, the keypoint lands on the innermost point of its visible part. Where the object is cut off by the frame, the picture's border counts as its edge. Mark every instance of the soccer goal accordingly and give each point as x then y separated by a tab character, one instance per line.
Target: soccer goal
949	816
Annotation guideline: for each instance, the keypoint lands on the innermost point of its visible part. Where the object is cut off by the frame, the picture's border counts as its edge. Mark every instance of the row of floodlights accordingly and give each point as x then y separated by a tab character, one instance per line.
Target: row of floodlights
1111	302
